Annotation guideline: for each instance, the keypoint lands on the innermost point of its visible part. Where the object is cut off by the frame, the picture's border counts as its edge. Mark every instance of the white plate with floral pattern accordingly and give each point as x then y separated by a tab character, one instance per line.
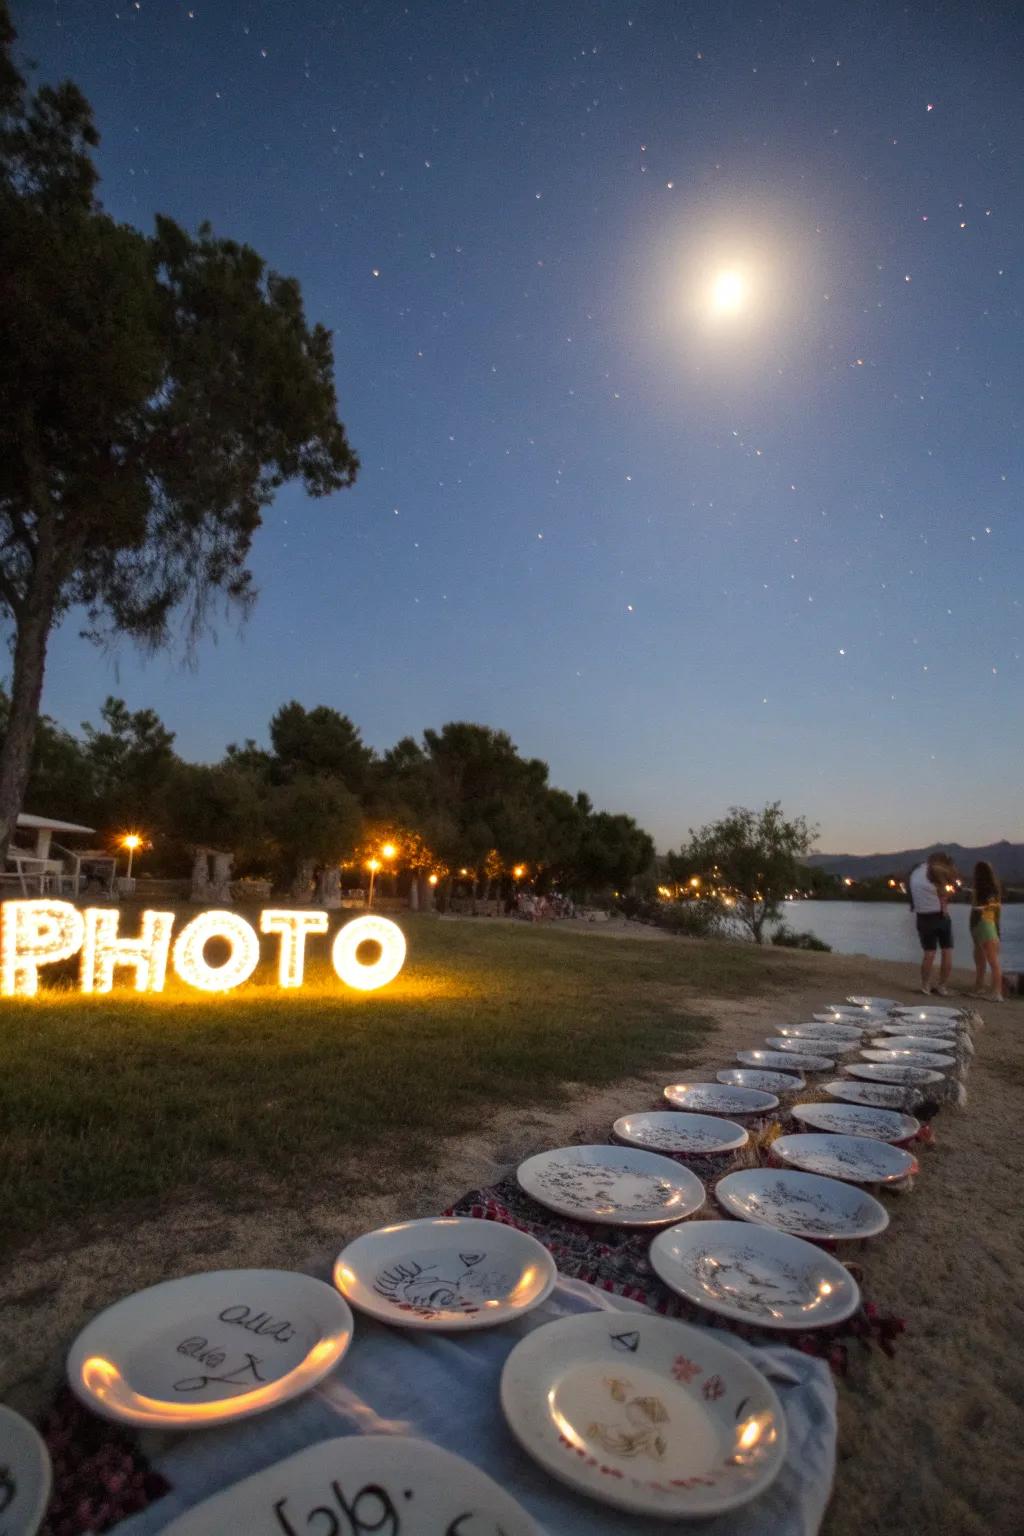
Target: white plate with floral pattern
765	1082
621	1186
386	1483
857	1120
877	1095
898	1056
888	1072
817	1045
717	1099
783	1059
754	1274
209	1348
802	1203
913	1043
821	1031
26	1475
872	1004
644	1413
858	1159
446	1272
672	1130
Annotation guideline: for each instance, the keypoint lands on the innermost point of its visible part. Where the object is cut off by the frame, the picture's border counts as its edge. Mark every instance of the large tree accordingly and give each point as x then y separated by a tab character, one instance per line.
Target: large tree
155	391
752	858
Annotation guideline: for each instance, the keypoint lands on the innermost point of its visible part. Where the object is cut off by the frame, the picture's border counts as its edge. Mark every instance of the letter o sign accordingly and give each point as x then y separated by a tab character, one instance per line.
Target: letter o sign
191	963
368	930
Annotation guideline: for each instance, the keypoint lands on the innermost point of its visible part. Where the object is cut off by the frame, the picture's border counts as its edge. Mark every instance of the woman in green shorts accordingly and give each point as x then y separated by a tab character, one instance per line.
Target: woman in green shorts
985	930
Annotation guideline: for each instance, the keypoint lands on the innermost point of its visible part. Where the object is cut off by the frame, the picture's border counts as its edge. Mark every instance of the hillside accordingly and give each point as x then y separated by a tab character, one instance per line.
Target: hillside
1006	858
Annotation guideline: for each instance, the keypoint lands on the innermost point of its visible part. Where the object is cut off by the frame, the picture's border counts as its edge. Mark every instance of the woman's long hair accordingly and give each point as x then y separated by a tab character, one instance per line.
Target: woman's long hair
986	885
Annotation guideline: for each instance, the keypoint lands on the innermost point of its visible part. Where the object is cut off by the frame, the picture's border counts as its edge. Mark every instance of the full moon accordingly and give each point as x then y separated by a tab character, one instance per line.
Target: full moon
728	292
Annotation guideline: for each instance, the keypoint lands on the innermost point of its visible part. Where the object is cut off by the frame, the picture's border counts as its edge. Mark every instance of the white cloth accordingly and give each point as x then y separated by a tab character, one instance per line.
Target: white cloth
444	1388
923	895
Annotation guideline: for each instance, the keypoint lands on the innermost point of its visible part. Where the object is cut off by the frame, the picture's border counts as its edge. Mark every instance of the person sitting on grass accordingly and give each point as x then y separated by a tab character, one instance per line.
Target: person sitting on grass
985	913
927	888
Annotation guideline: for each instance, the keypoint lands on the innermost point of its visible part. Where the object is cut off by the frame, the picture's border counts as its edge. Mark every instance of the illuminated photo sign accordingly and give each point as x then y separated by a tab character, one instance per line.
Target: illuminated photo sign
39	932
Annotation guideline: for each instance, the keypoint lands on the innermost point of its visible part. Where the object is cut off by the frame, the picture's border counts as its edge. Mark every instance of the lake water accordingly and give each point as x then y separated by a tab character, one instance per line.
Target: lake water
886	930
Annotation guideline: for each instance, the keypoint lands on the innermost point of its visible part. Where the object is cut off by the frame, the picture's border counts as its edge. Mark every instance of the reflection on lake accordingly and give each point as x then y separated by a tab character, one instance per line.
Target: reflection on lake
886	930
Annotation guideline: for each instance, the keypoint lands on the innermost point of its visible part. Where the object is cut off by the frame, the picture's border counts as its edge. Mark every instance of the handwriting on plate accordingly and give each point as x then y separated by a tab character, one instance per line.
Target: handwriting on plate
370	1510
245	1375
259	1322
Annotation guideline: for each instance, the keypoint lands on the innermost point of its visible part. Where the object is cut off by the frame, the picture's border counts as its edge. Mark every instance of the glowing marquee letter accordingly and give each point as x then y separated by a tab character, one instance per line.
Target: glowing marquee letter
294	928
35	933
368	930
103	949
191	963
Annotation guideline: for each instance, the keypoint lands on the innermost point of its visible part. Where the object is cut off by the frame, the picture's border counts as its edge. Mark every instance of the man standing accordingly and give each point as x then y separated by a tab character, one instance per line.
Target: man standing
927	888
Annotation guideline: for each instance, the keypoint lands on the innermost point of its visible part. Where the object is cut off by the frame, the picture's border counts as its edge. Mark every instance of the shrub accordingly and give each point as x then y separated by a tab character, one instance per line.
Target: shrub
790	939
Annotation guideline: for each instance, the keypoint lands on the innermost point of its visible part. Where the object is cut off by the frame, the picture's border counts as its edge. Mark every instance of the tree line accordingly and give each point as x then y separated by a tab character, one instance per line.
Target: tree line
460	803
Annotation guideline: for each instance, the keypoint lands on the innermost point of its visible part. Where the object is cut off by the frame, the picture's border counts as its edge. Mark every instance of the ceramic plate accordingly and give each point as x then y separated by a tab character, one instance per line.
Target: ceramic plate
25	1475
384	1483
887	1072
209	1347
622	1186
784	1059
668	1130
802	1203
901	1057
884	1095
857	1120
872	1004
817	1045
644	1413
848	1010
858	1159
446	1272
715	1099
947	1029
822	1031
754	1274
927	1011
766	1082
913	1043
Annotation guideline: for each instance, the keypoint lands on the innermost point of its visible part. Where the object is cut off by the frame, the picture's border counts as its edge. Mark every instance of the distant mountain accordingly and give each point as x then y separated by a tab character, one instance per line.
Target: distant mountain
1007	859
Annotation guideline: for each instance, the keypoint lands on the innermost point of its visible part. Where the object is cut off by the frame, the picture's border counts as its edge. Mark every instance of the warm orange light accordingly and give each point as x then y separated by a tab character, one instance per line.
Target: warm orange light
368	930
131	840
695	882
373	864
36	933
389	851
431	879
518	872
463	871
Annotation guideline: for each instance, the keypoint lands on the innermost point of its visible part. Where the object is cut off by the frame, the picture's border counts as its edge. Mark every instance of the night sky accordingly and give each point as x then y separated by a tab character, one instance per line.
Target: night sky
681	345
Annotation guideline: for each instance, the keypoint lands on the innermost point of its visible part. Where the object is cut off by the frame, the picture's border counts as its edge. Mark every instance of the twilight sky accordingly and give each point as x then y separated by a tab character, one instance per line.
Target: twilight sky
691	554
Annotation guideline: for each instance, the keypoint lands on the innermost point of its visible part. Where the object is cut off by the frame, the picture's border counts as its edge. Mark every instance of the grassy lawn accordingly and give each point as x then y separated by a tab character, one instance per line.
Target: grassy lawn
105	1102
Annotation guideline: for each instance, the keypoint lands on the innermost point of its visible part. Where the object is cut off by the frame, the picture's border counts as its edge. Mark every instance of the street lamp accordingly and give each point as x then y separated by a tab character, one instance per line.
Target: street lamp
372	865
131	841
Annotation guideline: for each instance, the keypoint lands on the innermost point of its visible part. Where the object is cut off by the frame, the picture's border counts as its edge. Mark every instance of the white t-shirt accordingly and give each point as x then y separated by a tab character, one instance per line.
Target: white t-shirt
923	895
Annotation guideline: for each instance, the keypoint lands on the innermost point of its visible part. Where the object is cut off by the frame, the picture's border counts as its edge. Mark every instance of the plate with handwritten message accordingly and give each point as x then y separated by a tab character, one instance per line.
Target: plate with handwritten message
892	1072
823	1031
818	1045
622	1186
872	1004
802	1203
883	1095
857	1159
445	1272
209	1348
890	1042
929	1014
644	1413
385	1483
669	1130
902	1056
785	1061
721	1098
763	1082
25	1475
754	1274
858	1120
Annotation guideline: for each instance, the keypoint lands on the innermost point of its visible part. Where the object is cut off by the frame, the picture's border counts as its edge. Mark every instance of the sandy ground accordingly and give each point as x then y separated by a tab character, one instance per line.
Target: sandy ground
931	1441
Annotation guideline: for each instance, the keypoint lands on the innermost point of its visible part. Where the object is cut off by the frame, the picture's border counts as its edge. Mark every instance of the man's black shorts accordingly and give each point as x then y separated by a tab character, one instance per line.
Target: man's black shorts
935	930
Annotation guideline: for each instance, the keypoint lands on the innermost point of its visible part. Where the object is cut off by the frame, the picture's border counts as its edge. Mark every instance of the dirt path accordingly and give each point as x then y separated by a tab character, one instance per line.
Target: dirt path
931	1442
